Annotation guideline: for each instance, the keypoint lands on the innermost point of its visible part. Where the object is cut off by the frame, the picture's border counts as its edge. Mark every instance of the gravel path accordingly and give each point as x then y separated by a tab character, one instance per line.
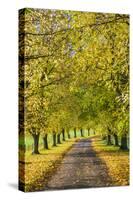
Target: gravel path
80	168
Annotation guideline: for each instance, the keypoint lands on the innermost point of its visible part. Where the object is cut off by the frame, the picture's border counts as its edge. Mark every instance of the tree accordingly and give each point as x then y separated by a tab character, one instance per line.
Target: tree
74	74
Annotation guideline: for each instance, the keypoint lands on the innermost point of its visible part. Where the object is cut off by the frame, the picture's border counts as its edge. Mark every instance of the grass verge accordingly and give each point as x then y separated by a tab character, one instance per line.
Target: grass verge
117	161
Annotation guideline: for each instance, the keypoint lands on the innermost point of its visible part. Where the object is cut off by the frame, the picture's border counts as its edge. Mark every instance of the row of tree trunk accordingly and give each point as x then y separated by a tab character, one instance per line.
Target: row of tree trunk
123	143
56	139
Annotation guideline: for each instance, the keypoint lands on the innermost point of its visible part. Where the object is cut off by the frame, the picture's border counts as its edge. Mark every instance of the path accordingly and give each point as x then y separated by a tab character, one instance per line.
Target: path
80	168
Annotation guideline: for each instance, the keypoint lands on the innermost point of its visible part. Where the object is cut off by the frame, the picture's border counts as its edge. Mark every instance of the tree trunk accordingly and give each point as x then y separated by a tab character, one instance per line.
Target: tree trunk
69	137
45	140
36	143
58	138
54	139
103	137
116	140
81	130
109	139
63	134
124	142
88	132
75	134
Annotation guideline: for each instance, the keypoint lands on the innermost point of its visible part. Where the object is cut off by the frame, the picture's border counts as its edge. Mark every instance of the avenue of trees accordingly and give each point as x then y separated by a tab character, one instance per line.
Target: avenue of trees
73	75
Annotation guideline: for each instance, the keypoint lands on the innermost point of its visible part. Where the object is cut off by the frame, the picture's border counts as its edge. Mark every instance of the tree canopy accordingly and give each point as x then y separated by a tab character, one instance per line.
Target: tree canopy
74	71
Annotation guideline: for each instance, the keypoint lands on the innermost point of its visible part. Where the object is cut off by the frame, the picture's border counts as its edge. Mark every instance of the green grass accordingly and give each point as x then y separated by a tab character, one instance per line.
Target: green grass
103	146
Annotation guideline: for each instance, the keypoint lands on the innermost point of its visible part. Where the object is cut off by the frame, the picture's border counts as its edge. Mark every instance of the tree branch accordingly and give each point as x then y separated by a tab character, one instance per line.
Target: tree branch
78	28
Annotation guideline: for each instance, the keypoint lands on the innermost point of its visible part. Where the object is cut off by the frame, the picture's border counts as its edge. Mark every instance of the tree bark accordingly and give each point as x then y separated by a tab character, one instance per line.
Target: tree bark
63	134
69	137
109	139
58	138
45	141
36	143
103	137
81	130
54	139
75	133
88	132
116	140
124	142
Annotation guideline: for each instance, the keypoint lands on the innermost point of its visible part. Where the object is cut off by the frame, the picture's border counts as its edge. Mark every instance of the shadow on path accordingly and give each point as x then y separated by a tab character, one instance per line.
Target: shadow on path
80	168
